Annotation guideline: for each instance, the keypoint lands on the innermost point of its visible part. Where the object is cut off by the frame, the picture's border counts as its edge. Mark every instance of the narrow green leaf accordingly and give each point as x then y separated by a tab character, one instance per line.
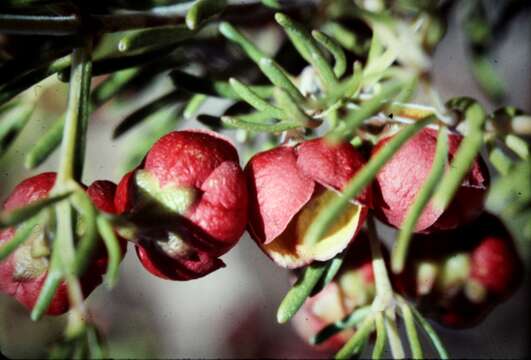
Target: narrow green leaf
231	33
240	122
13	124
518	145
355	343
331	272
204	86
202	10
21	235
154	38
278	77
112	85
335	49
432	334
269	67
464	157
18	215
292	109
247	94
194	105
113	249
401	246
501	162
412	336
296	296
87	243
308	49
369	108
381	336
174	97
363	178
26	80
349	321
46	144
52	282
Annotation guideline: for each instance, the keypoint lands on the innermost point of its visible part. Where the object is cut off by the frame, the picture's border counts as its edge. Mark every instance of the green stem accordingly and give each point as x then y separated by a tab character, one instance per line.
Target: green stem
76	117
421	201
384	289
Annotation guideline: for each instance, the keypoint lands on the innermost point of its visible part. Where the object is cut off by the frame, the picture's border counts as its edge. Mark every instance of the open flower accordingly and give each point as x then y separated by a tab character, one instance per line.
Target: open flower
24	272
188	200
289	186
399	181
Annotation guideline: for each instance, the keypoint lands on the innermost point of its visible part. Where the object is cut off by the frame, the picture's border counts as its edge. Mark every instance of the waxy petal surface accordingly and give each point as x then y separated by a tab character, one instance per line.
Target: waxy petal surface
278	191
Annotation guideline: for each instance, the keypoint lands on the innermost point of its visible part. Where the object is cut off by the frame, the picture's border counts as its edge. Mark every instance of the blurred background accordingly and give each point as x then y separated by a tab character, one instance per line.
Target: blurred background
231	313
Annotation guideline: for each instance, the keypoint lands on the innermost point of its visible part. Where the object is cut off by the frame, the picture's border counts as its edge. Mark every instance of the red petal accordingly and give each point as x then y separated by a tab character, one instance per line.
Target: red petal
102	193
172	269
278	190
32	189
188	158
222	211
331	165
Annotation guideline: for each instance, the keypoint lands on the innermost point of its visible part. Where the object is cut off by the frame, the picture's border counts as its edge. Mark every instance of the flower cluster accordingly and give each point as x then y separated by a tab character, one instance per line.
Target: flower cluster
189	202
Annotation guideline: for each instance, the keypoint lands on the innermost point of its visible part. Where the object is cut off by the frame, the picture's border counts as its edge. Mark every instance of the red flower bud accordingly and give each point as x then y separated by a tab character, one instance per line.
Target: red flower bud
23	273
189	201
289	186
399	181
460	275
352	288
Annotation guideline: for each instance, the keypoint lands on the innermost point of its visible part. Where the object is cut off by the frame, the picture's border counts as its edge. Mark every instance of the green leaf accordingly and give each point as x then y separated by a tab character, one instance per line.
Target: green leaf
432	334
202	10
251	97
464	157
154	38
355	343
21	235
87	243
381	336
308	49
46	144
174	97
24	81
349	321
298	294
113	249
205	86
411	331
52	282
335	49
369	108
16	216
421	201
13	124
241	122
